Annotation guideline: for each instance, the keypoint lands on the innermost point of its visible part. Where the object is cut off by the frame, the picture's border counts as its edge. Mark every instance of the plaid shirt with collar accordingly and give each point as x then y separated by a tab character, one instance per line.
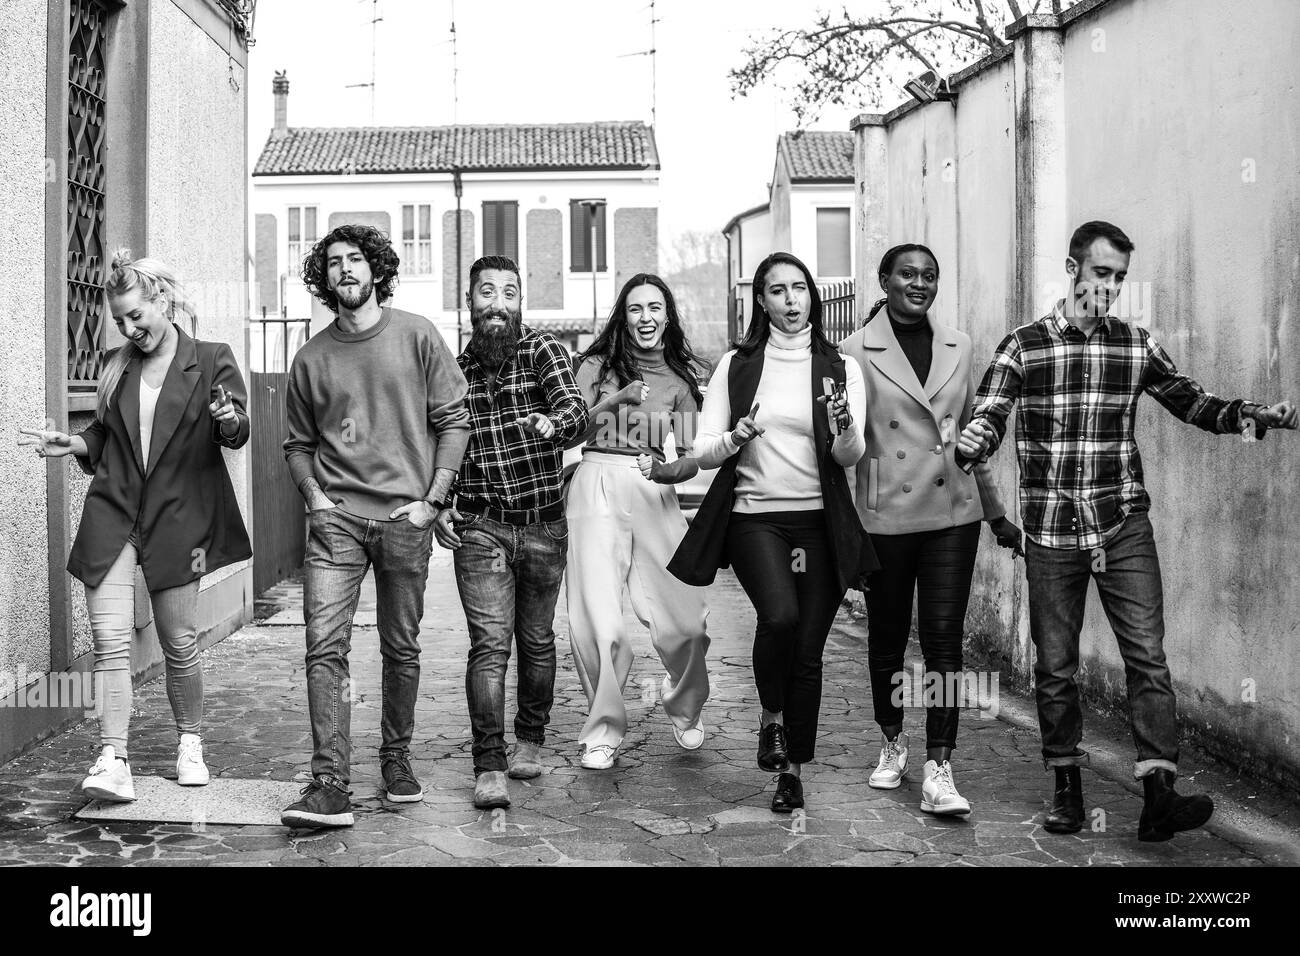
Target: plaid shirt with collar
1080	470
506	467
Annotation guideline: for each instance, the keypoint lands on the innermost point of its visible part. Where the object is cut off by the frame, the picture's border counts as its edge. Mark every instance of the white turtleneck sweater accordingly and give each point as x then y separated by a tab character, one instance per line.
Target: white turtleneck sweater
777	470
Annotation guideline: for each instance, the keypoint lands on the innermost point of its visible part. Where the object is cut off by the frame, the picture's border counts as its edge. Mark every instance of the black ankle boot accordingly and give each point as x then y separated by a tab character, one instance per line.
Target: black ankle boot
1066	815
1165	812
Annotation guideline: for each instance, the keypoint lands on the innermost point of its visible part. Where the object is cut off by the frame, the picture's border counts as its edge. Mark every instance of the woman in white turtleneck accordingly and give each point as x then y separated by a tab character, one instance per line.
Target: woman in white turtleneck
781	512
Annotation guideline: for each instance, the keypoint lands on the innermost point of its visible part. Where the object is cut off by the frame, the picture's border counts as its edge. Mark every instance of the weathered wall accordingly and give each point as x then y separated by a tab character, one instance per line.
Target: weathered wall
198	193
1180	126
24	596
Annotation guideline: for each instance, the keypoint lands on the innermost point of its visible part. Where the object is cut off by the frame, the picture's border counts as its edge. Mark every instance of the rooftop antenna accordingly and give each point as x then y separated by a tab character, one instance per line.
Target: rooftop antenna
654	76
455	71
375	20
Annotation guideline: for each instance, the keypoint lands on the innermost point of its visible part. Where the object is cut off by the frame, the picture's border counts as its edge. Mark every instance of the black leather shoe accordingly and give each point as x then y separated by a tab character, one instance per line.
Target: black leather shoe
789	794
772	756
1165	812
1066	815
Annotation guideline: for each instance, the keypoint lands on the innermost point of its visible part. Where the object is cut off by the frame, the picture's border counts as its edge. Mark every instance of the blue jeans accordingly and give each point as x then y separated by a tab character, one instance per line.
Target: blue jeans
509	580
340	549
1133	598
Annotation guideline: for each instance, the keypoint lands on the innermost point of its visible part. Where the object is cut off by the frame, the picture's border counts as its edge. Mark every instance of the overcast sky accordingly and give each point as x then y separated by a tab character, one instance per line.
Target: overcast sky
523	61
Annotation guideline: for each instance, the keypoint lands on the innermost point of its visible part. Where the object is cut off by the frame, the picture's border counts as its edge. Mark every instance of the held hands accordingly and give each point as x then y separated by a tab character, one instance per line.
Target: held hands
222	409
633	393
1007	534
974	441
538	424
649	466
419	513
444	531
47	444
746	429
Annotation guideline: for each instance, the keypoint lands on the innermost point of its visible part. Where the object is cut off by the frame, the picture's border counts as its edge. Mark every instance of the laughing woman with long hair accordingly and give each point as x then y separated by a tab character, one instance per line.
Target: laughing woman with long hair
641	381
160	498
783	418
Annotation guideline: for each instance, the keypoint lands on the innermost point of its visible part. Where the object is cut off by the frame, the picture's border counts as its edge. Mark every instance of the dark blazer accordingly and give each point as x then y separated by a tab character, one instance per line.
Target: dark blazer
703	549
182	495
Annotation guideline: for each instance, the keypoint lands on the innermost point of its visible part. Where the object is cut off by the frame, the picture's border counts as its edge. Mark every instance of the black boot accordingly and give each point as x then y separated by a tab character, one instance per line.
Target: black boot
1066	815
1165	813
772	755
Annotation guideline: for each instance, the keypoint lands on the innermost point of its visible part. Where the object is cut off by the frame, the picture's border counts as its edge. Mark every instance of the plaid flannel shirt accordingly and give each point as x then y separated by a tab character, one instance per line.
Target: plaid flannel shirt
506	467
1080	470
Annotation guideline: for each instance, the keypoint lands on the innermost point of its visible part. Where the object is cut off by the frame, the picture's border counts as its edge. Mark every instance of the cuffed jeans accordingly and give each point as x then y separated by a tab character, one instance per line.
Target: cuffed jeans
624	530
1133	598
509	580
341	548
111	607
937	567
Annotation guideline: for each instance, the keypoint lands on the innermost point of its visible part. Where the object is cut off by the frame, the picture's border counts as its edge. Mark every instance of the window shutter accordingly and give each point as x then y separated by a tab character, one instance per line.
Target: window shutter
510	229
578	237
833	242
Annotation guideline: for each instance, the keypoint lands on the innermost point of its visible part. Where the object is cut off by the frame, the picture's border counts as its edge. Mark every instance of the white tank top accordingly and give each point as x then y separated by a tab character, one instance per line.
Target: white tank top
148	405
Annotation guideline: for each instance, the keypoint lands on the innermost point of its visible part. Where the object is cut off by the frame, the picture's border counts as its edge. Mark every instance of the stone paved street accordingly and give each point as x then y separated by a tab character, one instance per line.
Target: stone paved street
660	805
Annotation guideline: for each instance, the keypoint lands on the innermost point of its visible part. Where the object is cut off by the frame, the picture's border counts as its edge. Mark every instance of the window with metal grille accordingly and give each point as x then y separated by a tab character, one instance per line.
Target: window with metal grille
87	176
501	229
833	226
302	234
417	239
580	238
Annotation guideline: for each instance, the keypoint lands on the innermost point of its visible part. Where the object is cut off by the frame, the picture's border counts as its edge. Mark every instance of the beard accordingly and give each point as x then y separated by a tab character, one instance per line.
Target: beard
353	297
493	345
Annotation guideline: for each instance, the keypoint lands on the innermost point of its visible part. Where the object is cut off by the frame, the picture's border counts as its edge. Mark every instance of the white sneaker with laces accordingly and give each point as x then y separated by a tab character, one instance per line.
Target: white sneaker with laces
939	794
109	779
599	757
692	738
892	766
191	771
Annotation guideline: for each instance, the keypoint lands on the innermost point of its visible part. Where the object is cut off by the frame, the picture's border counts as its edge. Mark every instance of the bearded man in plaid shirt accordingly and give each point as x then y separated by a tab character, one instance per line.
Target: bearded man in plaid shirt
507	525
1077	374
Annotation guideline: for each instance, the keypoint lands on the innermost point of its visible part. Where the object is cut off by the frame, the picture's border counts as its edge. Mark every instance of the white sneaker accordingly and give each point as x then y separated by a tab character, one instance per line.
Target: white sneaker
939	794
892	765
692	738
191	771
109	779
599	757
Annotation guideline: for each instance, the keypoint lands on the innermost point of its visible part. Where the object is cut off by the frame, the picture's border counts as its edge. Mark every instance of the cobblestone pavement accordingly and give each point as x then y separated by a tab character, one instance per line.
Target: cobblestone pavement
659	805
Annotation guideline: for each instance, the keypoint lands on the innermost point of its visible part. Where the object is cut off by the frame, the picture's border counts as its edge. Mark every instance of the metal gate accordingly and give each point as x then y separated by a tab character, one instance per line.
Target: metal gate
279	522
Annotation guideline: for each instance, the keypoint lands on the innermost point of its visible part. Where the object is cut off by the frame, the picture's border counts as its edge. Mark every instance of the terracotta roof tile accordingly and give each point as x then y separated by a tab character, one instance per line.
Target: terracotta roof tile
822	155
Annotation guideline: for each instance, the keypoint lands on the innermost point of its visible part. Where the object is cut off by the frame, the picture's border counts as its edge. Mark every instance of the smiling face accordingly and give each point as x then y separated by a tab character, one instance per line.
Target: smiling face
911	286
348	273
786	298
145	322
1098	278
646	315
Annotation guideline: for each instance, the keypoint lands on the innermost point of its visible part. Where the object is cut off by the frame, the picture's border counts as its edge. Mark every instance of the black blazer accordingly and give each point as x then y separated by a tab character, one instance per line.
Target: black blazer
703	549
182	495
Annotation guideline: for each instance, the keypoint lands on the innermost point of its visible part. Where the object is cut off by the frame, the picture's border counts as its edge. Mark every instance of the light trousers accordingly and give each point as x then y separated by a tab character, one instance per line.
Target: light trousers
111	606
623	530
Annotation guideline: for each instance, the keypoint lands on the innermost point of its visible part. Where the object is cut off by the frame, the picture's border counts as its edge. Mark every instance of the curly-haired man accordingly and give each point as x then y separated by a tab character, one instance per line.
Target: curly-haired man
377	429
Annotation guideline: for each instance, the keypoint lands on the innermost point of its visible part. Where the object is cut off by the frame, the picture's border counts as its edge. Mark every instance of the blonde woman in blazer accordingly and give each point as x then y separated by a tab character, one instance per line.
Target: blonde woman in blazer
922	511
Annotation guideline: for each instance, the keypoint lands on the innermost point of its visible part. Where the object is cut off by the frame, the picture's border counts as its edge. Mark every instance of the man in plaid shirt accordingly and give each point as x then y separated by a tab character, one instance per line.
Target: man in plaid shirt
507	526
1077	374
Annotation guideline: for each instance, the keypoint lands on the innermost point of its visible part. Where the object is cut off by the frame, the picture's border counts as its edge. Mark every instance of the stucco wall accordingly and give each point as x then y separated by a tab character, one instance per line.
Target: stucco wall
197	190
1183	129
24	597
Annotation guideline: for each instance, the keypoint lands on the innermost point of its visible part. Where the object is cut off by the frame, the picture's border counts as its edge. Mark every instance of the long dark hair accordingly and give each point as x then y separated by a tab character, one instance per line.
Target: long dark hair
611	345
760	326
886	268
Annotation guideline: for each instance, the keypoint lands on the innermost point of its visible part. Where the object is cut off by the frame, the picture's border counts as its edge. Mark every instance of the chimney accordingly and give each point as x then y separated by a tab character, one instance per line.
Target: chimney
280	87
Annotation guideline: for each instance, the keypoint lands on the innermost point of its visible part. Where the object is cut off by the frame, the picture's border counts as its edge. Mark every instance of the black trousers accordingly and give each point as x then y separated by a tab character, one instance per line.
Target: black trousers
785	564
937	566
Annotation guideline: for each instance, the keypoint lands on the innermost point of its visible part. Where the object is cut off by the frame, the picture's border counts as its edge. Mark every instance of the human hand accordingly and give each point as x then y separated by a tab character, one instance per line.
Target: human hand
746	429
419	513
47	444
538	424
444	531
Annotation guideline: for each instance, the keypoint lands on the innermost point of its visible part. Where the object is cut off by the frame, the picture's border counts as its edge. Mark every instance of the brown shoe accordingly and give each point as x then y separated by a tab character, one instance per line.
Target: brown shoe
490	790
526	761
